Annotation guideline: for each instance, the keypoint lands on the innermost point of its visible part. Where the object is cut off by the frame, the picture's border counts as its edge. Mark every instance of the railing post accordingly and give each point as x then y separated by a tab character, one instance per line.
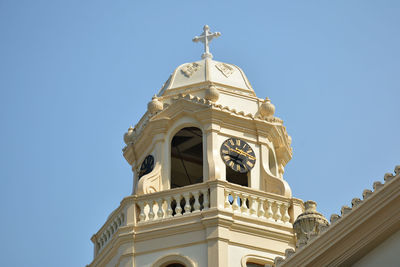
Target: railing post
151	212
236	199
269	210
252	204
142	215
277	215
160	212
261	211
169	209
187	207
196	204
178	209
285	217
244	207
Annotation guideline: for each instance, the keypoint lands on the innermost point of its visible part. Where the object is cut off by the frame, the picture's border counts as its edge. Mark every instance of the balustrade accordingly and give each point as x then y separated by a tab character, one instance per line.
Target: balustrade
192	199
264	207
109	230
172	203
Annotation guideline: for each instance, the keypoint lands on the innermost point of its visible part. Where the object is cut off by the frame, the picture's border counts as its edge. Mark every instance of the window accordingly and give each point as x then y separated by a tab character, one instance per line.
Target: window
187	157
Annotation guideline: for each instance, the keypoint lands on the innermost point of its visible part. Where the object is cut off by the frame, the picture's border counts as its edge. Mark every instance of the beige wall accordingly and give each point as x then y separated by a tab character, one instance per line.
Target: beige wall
387	254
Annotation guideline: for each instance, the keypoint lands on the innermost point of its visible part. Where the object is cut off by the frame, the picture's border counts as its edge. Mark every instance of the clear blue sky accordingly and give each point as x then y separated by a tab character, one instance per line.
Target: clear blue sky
74	75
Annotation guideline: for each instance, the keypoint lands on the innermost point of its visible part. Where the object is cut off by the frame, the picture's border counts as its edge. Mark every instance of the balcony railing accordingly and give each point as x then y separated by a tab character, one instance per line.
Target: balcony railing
193	199
250	202
175	202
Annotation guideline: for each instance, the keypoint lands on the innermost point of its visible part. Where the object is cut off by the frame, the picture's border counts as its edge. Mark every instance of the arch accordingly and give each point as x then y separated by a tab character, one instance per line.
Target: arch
176	126
250	259
164	261
186	156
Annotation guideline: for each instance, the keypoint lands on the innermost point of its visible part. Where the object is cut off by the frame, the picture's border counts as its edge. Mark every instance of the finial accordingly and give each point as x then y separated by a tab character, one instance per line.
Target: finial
206	38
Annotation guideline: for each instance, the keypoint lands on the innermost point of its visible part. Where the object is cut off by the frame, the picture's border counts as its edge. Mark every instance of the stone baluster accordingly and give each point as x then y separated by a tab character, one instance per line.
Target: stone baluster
236	198
206	201
160	212
196	205
285	217
178	209
261	211
169	210
244	207
277	215
142	215
269	213
151	214
187	202
227	204
252	203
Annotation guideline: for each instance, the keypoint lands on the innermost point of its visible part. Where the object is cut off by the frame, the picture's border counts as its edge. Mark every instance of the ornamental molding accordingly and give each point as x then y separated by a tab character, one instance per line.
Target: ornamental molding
225	69
190	68
173	109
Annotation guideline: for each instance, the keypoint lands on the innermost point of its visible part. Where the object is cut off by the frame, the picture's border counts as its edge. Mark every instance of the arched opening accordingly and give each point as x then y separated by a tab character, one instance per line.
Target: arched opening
175	265
187	157
174	260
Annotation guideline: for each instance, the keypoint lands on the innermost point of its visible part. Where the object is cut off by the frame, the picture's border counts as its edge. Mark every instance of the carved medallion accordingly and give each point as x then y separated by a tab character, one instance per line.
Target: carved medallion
190	68
225	69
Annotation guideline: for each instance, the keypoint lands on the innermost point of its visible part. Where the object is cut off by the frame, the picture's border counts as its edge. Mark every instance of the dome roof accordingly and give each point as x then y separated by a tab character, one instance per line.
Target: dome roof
207	71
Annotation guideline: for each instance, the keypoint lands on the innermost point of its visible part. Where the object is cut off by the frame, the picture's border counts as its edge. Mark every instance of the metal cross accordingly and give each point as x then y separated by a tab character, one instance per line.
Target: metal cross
206	38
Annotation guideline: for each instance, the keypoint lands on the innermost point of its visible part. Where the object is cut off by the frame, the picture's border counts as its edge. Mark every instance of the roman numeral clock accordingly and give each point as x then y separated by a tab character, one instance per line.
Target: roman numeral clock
238	155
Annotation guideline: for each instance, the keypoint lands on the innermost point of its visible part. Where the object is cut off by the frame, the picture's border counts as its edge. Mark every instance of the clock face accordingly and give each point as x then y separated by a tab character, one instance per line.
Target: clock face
238	155
147	165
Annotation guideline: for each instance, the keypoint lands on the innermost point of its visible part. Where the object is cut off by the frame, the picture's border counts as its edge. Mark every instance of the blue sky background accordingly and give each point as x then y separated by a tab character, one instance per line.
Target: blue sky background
74	75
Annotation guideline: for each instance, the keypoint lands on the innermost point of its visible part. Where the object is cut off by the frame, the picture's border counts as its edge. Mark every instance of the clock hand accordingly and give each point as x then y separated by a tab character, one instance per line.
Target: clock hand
244	153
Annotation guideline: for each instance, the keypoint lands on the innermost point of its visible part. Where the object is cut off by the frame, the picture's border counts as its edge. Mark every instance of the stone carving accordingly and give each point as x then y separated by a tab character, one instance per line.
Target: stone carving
345	210
355	202
309	223
388	177
366	193
278	261
397	169
289	252
377	185
267	109
211	93
225	69
190	68
129	135
150	183
334	218
155	105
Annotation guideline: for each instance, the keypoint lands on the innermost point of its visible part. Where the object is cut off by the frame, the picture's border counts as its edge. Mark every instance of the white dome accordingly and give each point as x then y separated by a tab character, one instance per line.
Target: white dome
207	71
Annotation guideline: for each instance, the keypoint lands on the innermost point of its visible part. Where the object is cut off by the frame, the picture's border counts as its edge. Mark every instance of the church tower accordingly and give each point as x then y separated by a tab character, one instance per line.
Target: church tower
208	160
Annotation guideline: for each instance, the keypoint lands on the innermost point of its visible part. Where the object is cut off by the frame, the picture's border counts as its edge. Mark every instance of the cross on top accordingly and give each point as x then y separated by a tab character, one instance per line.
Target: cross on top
206	38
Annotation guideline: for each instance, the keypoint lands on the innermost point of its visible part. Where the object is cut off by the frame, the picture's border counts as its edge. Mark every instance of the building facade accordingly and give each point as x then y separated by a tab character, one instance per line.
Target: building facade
208	158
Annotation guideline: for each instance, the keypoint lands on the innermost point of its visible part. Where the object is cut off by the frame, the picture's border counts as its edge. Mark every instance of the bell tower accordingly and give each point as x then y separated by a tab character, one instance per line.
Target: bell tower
208	160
